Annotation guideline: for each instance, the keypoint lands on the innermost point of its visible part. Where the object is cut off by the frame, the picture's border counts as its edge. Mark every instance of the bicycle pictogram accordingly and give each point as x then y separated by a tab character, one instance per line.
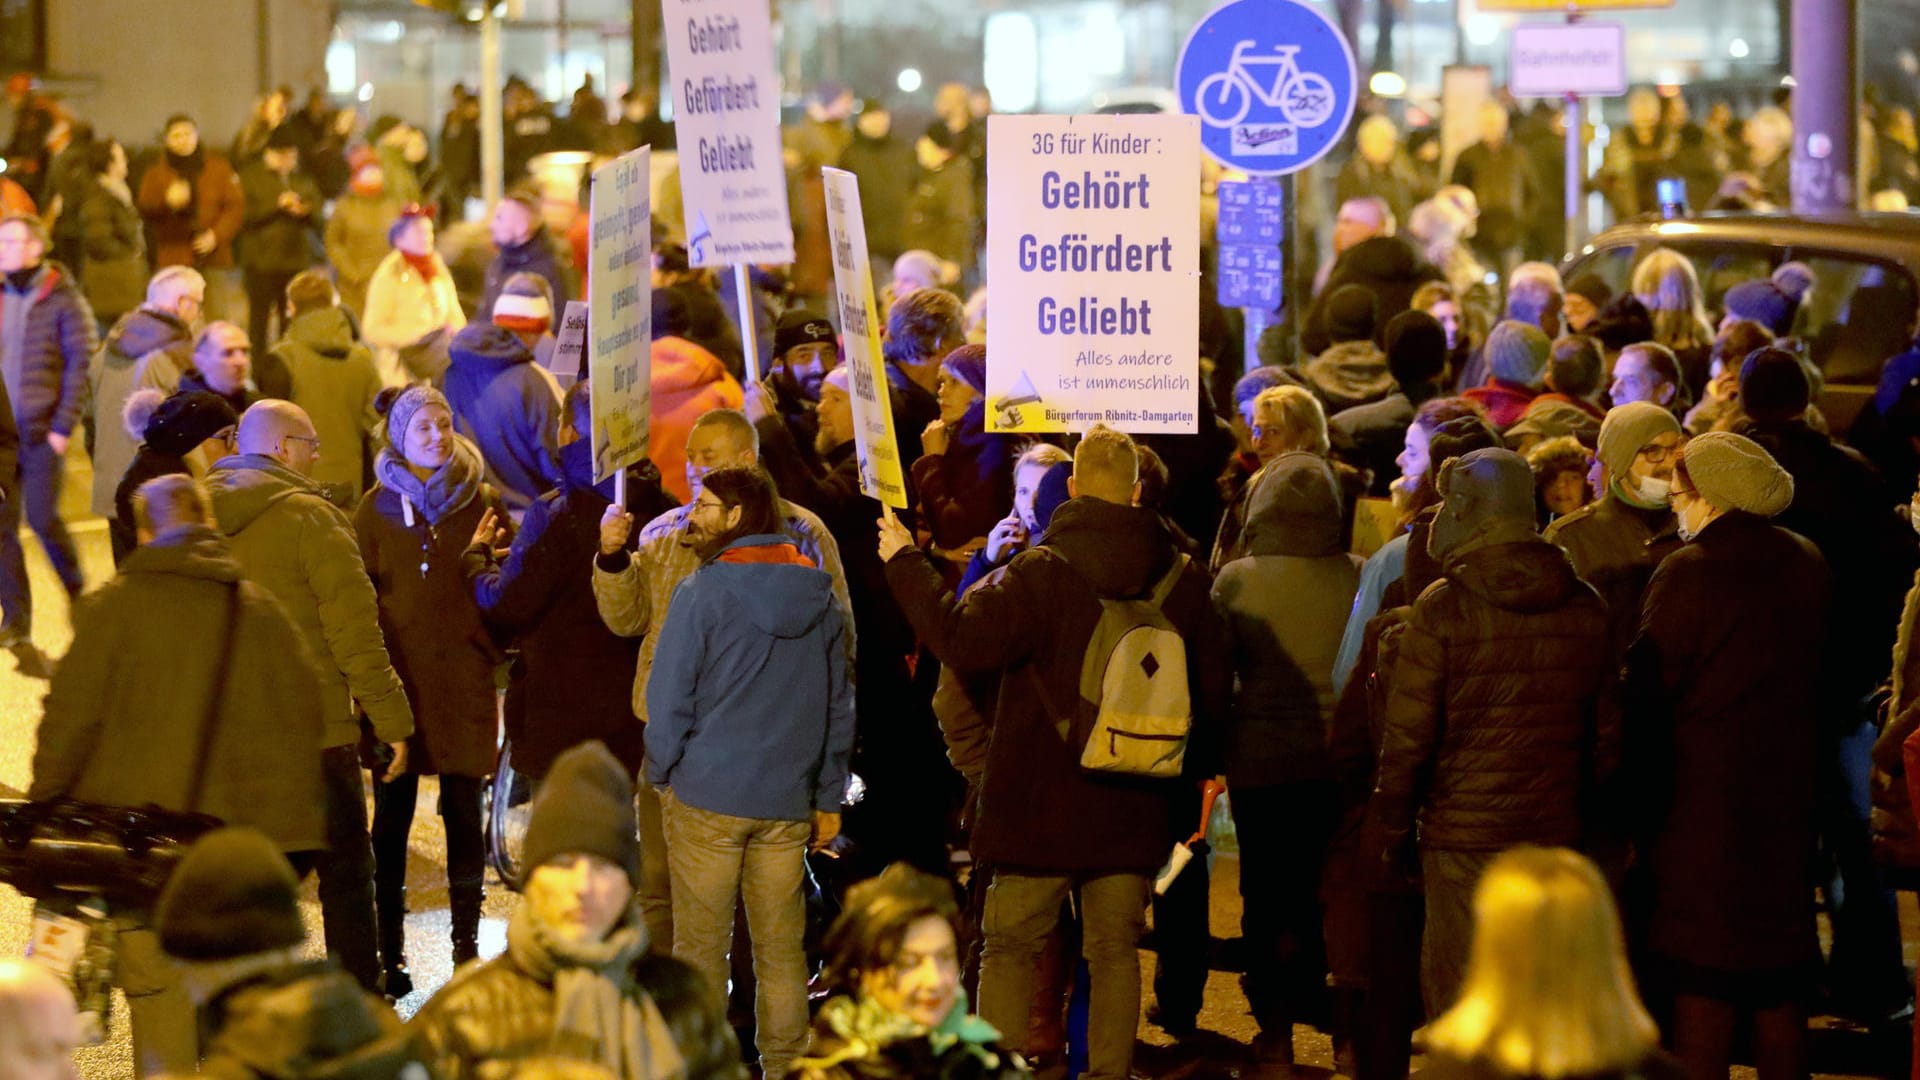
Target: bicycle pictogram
1304	98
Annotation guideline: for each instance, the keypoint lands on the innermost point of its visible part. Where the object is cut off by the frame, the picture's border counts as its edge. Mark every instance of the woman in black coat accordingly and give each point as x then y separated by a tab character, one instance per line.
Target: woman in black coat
1721	755
169	429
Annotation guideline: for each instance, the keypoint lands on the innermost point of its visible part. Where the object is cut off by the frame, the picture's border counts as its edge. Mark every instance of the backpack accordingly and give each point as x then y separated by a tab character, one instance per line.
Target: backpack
1133	681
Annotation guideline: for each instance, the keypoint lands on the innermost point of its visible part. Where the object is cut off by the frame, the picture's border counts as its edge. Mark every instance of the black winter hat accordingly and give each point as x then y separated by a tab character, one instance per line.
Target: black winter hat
1623	322
233	895
186	420
1351	313
283	137
585	808
1774	386
1416	346
800	327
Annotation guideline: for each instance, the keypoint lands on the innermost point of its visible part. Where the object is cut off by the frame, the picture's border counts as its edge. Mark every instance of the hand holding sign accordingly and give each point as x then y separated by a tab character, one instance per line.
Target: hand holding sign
616	525
894	536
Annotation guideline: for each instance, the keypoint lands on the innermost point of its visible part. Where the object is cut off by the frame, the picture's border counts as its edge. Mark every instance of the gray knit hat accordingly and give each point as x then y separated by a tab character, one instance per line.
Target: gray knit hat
410	401
1629	427
1518	352
1735	473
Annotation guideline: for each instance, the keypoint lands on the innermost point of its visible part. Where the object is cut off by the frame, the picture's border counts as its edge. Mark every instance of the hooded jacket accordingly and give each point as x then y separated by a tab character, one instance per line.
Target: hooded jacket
1386	266
47	338
576	686
750	704
402	307
306	1022
536	256
1503	718
298	546
335	381
127	707
1038	809
510	407
110	378
1349	374
688	381
1285	607
356	242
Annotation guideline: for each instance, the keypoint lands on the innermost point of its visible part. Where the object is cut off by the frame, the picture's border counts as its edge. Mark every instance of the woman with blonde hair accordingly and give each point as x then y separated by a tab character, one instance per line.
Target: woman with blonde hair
1666	285
1548	992
1285	419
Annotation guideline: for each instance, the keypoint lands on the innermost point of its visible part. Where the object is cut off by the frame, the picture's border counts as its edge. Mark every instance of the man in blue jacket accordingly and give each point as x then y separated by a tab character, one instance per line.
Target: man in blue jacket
751	730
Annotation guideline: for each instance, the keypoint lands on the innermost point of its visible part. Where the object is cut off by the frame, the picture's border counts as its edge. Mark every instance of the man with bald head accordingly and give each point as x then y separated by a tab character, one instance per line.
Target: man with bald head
300	547
38	1026
1367	253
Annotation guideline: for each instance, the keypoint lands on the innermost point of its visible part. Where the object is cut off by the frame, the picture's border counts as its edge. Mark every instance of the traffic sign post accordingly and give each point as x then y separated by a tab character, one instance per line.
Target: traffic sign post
1274	84
1569	60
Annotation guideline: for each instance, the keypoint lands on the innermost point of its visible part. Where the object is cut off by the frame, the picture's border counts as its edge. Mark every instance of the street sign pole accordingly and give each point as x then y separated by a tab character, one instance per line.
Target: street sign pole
1576	179
1274	84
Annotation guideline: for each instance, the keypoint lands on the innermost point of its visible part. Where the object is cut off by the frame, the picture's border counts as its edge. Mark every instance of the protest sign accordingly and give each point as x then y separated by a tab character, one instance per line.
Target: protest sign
621	298
881	475
1095	308
726	113
569	346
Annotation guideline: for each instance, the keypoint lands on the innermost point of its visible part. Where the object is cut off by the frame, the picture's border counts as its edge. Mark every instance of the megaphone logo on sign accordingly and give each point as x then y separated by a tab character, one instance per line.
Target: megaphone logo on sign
1009	404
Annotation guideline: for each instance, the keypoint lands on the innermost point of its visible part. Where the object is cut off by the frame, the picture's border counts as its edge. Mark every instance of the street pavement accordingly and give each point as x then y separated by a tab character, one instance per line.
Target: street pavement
1219	1050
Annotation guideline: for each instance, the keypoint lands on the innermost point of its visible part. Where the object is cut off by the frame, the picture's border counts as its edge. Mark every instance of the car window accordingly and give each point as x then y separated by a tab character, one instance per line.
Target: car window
1857	314
1613	265
1721	266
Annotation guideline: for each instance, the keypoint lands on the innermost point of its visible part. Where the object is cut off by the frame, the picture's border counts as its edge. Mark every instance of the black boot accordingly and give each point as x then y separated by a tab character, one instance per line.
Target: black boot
390	909
465	903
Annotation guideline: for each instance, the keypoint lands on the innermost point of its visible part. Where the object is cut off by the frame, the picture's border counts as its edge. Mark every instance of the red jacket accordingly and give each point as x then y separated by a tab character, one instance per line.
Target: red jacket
687	382
1505	402
218	205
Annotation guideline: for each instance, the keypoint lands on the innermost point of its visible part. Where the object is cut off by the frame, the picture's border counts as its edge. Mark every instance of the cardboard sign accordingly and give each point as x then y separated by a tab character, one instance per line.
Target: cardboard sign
1094	312
620	362
881	474
570	346
726	112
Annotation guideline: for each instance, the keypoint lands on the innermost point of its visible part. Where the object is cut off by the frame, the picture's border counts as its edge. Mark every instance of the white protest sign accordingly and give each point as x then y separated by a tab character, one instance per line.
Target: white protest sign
879	452
726	111
1094	313
569	346
621	297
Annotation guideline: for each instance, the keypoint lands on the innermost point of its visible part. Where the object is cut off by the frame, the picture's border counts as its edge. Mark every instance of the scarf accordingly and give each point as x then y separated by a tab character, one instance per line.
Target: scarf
865	1030
598	1013
441	495
424	265
188	167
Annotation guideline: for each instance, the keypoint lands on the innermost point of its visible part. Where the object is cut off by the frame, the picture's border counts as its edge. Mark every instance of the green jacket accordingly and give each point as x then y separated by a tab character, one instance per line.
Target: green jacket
301	548
335	381
126	709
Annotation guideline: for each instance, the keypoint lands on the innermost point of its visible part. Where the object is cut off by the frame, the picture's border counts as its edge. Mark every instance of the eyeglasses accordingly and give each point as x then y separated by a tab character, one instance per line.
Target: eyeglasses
1674	494
1656	454
309	439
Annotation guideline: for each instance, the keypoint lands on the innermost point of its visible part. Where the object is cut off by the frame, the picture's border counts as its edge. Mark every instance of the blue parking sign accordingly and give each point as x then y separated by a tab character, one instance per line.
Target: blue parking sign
1272	81
1249	276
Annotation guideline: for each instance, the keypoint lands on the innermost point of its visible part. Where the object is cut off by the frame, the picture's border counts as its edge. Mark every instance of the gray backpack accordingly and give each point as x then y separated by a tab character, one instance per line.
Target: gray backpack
1133	684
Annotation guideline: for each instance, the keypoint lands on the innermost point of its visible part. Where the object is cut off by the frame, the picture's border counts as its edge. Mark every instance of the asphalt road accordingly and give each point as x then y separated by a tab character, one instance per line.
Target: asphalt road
1220	1049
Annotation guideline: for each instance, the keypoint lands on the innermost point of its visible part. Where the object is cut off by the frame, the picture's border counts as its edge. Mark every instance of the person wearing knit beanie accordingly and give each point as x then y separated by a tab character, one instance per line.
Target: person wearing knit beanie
585	807
410	401
968	363
1586	295
525	306
234	894
804	351
1763	302
1725	472
1518	353
1351	312
183	421
1774	386
1627	431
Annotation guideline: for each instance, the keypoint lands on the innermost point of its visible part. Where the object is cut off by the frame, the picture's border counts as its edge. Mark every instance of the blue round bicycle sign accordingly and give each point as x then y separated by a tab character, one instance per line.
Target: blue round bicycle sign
1272	81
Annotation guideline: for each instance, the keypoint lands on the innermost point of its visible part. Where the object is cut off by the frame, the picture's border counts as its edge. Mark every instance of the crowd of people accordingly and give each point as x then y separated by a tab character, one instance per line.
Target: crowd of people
1637	602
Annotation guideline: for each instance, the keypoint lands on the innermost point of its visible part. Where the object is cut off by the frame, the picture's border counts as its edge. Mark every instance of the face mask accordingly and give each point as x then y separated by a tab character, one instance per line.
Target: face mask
1653	490
1913	515
1684	519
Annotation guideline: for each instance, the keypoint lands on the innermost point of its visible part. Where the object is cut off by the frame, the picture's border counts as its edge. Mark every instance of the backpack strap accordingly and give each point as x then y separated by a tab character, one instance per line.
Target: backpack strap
1163	589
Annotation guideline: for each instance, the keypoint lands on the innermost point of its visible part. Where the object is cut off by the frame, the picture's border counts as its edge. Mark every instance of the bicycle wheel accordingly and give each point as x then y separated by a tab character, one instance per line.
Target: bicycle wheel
509	808
1307	100
1221	99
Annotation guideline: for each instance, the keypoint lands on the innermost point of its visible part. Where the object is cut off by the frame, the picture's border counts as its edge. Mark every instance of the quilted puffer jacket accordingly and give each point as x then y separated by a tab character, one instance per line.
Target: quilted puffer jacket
1503	715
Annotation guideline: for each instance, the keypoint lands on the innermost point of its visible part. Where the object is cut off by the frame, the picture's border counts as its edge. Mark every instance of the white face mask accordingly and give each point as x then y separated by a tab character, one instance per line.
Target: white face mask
1653	490
1913	515
1685	518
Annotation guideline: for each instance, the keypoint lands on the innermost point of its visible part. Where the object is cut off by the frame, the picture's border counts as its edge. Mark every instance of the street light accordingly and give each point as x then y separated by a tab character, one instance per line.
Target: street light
909	80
